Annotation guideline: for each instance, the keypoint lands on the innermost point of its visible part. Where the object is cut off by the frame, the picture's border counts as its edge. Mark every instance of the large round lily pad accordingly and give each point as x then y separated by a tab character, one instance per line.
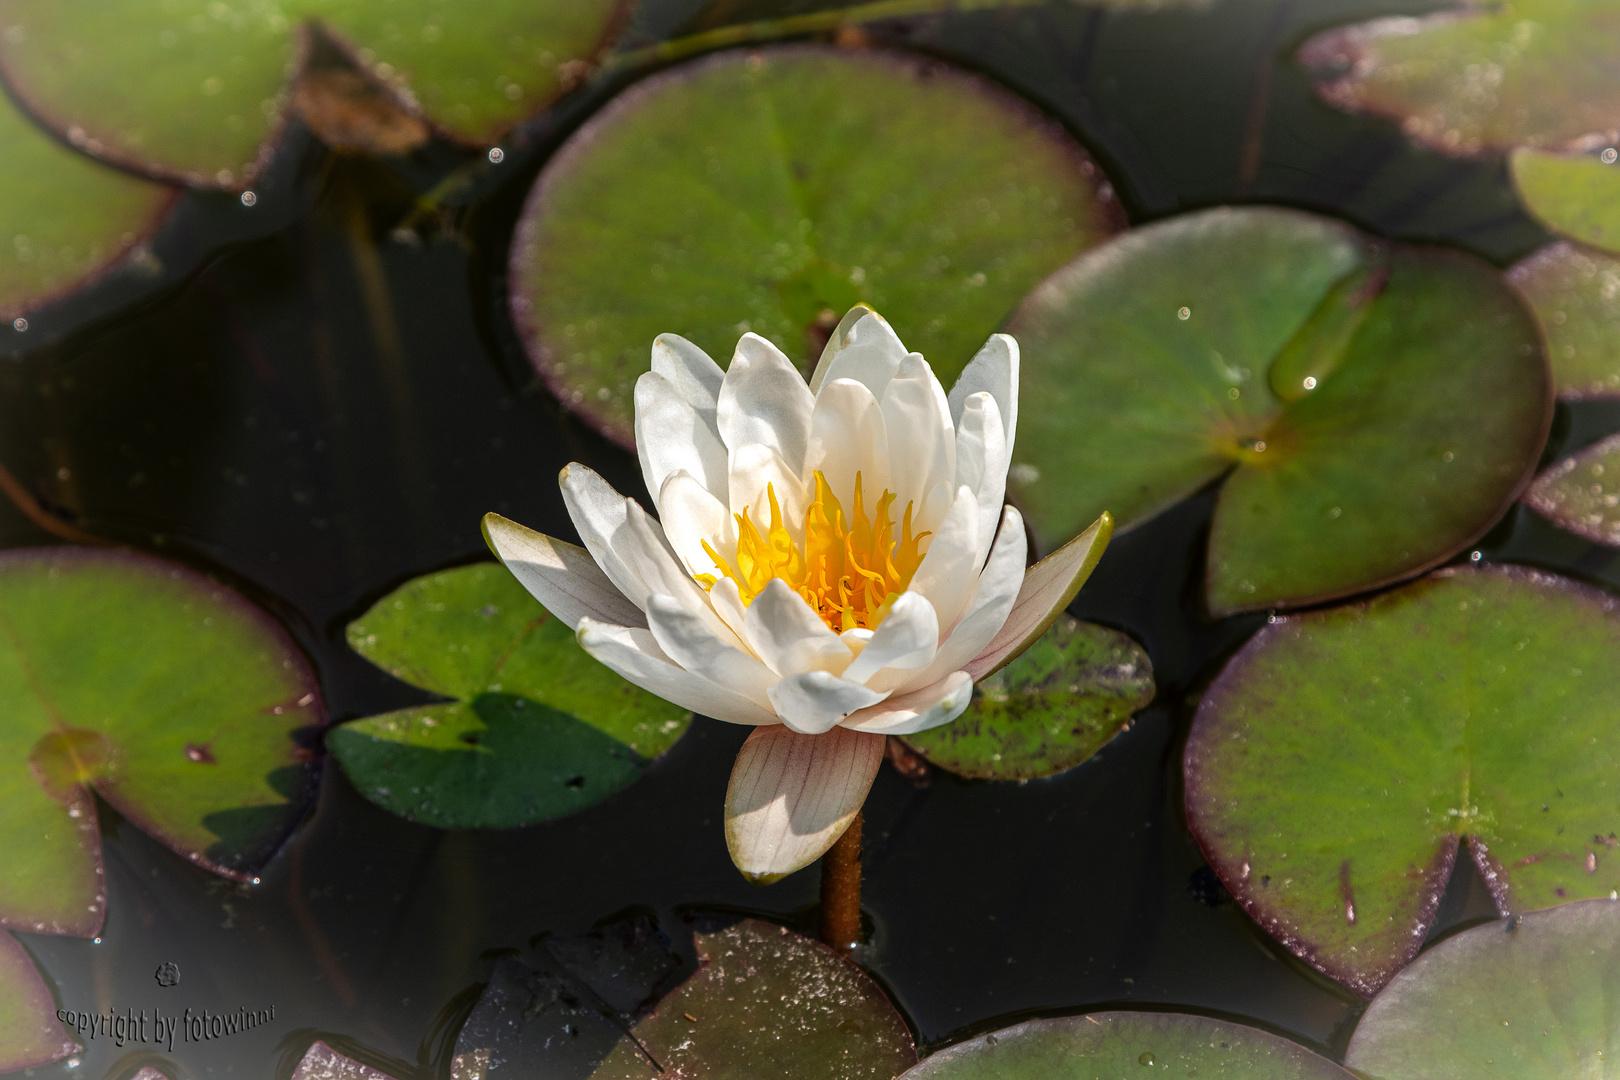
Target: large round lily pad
63	217
1340	755
767	1002
537	729
1529	998
30	1033
1047	711
1582	492
1522	73
174	699
770	191
1127	1044
1577	195
195	90
1373	409
1576	293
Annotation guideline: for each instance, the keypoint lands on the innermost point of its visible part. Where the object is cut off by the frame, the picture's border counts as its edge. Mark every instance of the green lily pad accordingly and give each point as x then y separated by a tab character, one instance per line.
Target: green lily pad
789	184
1317	371
1525	999
63	218
168	695
1047	711
537	729
1575	291
195	90
30	1032
1524	73
1127	1044
1337	759
1577	195
767	1002
1582	493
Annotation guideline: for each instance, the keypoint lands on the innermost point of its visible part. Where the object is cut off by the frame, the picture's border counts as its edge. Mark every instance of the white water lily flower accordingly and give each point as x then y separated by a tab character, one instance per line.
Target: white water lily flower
832	563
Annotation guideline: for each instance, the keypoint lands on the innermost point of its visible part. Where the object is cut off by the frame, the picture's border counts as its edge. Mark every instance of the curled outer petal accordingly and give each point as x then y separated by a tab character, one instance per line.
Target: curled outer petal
564	578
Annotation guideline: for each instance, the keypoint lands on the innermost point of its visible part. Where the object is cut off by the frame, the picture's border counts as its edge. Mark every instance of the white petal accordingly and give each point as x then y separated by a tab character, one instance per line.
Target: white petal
995	371
915	409
848	434
930	706
947	573
870	355
836	342
790	637
906	639
993	600
981	458
758	470
726	599
564	578
1048	587
696	377
791	796
635	655
764	400
671	437
688	642
818	701
690	515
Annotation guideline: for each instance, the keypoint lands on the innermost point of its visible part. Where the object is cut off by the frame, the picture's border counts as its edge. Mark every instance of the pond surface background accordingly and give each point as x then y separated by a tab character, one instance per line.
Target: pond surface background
323	413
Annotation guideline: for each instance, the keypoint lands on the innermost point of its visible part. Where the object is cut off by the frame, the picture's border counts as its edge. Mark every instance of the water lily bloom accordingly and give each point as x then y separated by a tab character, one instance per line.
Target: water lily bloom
832	563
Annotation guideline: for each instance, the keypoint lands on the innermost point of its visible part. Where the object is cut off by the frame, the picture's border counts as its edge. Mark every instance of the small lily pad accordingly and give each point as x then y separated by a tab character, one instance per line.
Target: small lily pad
30	1032
1577	195
790	184
63	217
767	1002
1313	368
1527	998
1582	493
1126	1044
1047	711
1340	755
195	90
171	697
1528	73
537	729
1576	293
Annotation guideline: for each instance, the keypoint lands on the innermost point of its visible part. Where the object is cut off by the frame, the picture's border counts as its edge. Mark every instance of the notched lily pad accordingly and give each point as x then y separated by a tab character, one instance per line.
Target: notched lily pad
30	1032
1121	1044
1524	999
1582	493
1527	73
1575	292
1373	409
1047	711
1577	195
182	705
791	183
63	218
1335	762
195	90
537	729
766	1002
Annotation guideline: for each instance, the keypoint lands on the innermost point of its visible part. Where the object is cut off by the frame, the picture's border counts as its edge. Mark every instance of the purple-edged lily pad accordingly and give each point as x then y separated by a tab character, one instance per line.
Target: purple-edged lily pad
30	1033
1575	292
766	1002
1582	492
321	1062
1487	77
1369	409
163	692
788	184
1529	998
1341	754
1127	1044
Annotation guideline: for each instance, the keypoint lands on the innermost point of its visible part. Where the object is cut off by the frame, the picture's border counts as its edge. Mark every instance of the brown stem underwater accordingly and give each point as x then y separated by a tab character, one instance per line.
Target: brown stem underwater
841	891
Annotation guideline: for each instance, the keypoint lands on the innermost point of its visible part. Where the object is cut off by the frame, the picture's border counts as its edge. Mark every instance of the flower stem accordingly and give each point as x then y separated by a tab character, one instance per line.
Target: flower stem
841	891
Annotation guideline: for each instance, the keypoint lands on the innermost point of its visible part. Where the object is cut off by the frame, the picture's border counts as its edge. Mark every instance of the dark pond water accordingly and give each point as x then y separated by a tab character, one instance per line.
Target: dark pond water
326	407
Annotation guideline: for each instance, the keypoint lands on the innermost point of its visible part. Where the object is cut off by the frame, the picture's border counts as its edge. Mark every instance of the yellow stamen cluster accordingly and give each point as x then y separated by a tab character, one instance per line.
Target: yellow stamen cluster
849	574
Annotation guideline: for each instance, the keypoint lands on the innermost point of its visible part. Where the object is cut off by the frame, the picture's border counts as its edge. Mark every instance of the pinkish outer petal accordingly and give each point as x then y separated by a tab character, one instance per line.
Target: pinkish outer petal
792	796
1048	587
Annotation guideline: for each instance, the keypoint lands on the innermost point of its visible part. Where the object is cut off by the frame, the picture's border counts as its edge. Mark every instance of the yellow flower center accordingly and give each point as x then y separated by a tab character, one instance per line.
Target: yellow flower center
849	573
